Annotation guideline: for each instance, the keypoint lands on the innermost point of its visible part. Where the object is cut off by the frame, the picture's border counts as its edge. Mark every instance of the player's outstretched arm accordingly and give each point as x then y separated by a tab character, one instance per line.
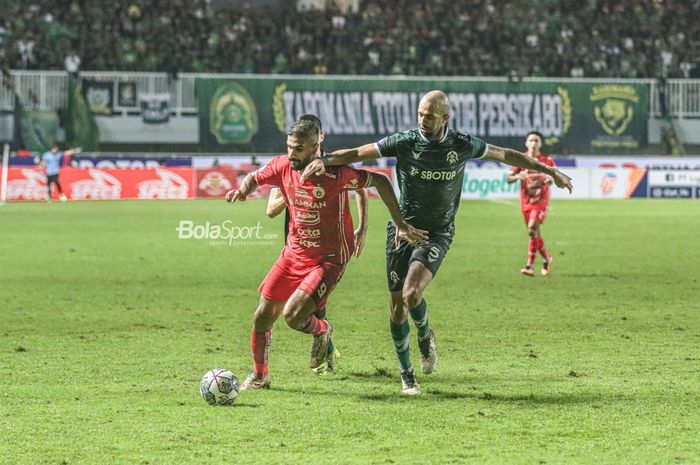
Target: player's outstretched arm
515	158
361	231
340	157
404	231
244	190
275	203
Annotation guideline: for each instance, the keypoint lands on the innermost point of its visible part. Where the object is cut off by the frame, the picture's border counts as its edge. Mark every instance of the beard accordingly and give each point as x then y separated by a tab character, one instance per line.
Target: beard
297	165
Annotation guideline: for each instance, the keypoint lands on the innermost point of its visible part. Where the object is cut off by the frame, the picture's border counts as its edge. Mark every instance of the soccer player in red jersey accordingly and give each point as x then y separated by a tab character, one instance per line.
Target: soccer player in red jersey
534	202
276	205
319	246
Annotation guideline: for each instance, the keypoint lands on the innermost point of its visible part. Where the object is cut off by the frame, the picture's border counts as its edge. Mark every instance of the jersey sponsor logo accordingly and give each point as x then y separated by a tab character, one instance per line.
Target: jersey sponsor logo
307	204
306	217
319	192
299	192
433	254
233	117
438	175
452	157
416	155
309	233
351	185
308	244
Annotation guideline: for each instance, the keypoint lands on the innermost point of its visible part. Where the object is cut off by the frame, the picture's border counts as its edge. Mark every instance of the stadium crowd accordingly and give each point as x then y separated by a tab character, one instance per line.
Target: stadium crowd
560	38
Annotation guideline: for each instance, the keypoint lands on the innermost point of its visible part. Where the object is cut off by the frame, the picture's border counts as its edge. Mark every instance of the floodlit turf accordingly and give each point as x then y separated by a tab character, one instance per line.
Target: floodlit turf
108	321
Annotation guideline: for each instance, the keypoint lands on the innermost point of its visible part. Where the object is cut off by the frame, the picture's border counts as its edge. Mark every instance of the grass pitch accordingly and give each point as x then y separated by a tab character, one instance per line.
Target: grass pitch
108	321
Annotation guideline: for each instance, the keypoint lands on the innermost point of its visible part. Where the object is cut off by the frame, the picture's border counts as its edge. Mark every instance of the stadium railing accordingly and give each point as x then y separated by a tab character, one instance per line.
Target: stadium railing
47	90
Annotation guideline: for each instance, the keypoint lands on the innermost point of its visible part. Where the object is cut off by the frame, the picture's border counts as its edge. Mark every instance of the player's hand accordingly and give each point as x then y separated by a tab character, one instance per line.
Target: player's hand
315	166
233	195
360	236
562	180
415	237
522	175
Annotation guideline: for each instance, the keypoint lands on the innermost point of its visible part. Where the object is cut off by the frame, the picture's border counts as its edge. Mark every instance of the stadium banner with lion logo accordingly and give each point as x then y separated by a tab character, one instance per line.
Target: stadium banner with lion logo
245	113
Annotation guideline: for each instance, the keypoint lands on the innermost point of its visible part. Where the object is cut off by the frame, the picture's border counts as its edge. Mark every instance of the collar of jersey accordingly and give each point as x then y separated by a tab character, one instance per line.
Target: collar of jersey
444	136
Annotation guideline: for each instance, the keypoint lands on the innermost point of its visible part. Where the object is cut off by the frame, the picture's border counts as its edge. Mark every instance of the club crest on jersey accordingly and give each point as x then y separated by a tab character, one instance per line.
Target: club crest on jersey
416	155
413	171
319	192
452	157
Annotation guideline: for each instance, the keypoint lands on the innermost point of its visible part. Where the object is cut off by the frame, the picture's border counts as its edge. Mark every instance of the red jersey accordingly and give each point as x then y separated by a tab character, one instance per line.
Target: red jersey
534	190
320	225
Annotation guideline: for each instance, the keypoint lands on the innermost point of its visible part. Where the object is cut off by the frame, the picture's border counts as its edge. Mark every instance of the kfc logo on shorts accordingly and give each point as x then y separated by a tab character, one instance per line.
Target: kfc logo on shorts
309	244
307	217
433	254
100	186
309	233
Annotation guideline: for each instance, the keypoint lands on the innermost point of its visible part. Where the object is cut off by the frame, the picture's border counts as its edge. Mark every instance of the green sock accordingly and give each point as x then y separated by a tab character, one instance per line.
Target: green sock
399	333
419	314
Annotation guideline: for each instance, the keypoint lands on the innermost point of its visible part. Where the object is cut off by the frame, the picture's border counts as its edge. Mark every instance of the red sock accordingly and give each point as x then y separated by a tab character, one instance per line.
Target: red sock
540	247
531	251
260	347
315	326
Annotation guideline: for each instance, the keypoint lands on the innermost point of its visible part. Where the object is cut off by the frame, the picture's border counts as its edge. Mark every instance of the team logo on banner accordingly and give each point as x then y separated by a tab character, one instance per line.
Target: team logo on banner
613	107
233	117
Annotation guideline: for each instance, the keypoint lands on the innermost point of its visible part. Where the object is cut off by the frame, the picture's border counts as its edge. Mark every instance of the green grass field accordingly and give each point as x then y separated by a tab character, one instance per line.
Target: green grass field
108	321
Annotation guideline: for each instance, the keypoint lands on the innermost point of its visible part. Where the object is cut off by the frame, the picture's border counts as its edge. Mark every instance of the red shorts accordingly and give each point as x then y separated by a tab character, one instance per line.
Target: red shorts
290	273
534	212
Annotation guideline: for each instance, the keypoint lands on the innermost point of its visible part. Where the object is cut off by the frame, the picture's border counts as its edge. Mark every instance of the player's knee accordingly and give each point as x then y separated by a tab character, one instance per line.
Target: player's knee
532	231
293	316
412	296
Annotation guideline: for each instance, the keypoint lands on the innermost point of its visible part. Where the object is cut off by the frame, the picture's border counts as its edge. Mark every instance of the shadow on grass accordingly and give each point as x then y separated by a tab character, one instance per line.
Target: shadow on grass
387	388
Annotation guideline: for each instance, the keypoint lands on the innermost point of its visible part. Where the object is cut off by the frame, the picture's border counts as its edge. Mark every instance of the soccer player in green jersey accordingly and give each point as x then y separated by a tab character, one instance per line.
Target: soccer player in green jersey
430	171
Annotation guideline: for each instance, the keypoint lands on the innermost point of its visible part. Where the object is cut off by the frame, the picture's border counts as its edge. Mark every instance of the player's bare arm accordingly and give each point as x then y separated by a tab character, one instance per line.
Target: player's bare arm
244	190
515	158
404	231
275	203
361	230
340	157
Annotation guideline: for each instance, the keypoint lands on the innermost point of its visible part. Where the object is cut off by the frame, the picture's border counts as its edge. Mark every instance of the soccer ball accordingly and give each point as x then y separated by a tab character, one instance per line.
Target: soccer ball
219	387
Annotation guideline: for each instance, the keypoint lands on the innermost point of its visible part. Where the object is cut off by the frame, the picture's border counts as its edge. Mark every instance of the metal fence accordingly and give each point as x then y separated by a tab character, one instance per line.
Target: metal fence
47	90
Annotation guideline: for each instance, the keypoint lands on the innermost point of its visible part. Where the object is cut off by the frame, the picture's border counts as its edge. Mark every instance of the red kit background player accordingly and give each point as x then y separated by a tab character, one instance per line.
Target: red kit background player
534	202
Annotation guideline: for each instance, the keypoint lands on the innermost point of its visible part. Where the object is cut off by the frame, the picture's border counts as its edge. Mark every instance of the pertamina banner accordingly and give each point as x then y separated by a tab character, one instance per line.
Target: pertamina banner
253	114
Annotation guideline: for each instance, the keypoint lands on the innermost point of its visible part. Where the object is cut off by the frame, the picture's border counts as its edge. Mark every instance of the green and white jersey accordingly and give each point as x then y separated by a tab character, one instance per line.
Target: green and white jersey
430	174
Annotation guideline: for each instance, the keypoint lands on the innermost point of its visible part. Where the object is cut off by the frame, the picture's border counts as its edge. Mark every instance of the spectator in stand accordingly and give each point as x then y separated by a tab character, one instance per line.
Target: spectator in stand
581	39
